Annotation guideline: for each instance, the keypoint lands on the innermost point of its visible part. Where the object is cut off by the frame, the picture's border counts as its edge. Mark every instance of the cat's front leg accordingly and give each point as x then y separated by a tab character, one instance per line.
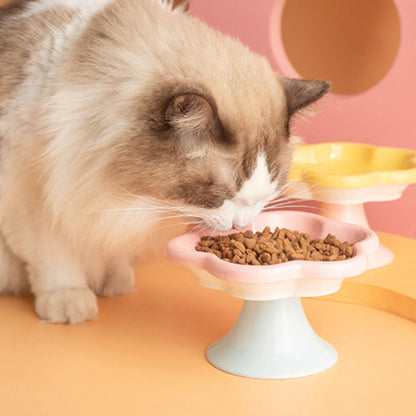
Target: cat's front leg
69	306
119	278
60	285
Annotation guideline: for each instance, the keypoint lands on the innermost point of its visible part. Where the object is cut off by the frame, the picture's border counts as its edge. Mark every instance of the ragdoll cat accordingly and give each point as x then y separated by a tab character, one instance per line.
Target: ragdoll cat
115	114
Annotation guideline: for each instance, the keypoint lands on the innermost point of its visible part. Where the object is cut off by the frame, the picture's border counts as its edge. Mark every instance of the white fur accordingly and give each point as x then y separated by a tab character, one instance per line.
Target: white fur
259	187
89	6
86	6
255	193
67	305
61	270
57	214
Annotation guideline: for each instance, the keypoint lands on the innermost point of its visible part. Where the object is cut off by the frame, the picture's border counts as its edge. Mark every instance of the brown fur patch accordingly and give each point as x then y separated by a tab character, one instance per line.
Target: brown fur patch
177	3
302	92
20	41
11	8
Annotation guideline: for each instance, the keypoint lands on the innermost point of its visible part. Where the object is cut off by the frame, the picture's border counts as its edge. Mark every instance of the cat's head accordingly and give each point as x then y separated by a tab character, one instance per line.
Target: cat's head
215	158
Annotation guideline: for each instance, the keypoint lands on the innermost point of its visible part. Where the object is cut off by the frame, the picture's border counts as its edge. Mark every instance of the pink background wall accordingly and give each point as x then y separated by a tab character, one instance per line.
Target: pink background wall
383	115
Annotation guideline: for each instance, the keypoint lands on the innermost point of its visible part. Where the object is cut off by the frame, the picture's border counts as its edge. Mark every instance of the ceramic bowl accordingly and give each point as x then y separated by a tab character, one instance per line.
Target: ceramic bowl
295	278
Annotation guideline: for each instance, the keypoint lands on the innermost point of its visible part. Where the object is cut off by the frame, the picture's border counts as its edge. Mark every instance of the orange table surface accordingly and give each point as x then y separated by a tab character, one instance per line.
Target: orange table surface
145	355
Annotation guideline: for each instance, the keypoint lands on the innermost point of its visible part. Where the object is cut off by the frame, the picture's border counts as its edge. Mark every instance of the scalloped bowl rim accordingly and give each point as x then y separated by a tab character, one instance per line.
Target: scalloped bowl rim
181	250
354	180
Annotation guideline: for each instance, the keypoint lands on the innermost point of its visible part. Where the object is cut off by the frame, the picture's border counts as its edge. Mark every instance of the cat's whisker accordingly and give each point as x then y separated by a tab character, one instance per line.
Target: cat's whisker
144	198
150	204
290	206
178	224
302	194
160	219
289	201
291	184
293	203
137	209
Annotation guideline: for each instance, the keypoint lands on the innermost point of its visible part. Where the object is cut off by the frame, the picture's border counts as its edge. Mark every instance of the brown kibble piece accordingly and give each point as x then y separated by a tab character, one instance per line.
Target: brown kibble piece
251	259
267	247
296	256
203	249
282	233
329	239
239	246
296	245
264	239
250	242
227	253
287	247
217	253
235	259
265	258
290	235
316	256
237	252
257	249
207	242
237	237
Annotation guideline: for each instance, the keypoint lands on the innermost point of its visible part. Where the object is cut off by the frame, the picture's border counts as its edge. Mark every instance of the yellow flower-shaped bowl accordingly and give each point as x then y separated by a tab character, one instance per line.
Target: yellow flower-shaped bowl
353	165
344	176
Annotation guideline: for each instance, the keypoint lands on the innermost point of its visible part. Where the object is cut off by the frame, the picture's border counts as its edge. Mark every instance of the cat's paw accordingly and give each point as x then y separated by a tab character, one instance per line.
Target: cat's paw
70	306
118	281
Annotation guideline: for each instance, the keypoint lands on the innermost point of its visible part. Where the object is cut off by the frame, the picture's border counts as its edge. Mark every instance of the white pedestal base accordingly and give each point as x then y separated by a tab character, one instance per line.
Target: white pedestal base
382	257
272	340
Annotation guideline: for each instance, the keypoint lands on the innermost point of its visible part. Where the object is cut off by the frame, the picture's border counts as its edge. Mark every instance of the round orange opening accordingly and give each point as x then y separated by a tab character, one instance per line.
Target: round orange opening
352	43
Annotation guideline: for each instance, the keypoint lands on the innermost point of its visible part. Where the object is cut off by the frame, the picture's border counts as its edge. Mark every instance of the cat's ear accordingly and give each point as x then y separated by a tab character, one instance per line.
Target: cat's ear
180	5
175	5
190	113
302	92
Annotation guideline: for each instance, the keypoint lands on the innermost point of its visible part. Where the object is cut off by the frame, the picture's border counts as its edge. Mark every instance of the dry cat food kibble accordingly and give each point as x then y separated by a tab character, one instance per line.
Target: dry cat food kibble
267	247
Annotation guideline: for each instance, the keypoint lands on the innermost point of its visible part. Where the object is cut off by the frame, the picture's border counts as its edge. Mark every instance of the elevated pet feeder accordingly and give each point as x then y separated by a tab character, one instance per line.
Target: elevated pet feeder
272	337
344	176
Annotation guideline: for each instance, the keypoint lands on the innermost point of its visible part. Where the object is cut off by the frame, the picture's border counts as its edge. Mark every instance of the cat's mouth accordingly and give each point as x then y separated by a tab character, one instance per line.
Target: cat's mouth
235	213
230	216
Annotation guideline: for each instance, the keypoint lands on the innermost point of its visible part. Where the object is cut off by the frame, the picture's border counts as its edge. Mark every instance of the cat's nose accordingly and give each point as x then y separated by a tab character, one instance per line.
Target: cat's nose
242	223
239	227
244	218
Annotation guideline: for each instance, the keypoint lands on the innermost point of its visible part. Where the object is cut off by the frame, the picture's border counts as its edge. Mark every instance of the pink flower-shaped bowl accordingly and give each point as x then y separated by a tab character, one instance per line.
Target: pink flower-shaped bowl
291	279
272	337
